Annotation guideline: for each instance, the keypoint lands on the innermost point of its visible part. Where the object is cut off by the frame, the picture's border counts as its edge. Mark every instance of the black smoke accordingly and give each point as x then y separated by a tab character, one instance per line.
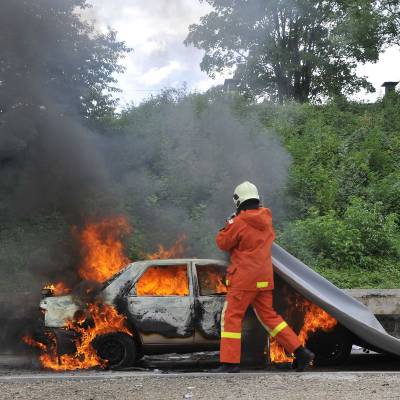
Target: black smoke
54	74
170	164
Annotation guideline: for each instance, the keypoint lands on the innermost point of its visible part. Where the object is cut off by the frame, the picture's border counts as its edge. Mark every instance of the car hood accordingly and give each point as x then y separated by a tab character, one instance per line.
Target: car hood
58	310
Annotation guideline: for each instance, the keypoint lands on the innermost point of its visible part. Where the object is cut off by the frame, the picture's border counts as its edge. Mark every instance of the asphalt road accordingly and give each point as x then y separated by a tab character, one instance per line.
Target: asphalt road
364	376
198	363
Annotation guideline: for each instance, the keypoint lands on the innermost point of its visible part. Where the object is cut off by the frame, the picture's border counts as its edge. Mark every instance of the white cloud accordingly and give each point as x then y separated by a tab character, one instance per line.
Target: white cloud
157	75
207	83
152	47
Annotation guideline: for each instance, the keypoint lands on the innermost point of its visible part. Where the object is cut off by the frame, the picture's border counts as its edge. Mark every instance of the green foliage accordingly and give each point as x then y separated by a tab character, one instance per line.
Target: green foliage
362	237
387	277
294	49
344	188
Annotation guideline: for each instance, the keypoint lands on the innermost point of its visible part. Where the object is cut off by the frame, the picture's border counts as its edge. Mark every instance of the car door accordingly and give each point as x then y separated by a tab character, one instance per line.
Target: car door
210	291
161	304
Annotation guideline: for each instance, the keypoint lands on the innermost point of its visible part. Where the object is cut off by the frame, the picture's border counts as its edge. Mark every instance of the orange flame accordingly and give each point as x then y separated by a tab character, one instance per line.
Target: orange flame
102	257
58	289
211	280
315	319
102	248
175	251
105	320
33	343
159	281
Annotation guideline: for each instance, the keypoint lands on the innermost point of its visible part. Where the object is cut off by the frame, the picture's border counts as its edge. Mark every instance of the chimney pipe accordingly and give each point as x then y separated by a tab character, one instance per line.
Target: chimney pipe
389	87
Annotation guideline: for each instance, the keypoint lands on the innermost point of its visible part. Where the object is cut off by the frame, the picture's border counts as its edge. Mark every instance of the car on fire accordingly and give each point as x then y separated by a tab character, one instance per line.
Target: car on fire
170	306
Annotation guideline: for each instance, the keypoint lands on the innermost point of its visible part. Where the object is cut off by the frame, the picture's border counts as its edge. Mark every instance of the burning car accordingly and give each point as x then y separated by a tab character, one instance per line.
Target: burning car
159	306
122	310
167	306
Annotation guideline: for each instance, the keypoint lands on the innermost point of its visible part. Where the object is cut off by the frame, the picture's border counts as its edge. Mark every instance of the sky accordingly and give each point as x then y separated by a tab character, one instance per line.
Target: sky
156	29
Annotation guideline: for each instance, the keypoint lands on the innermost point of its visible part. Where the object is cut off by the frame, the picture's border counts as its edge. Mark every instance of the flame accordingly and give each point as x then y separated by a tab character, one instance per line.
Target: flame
175	251
315	319
173	281
105	319
210	280
102	249
57	289
33	343
216	282
102	257
159	281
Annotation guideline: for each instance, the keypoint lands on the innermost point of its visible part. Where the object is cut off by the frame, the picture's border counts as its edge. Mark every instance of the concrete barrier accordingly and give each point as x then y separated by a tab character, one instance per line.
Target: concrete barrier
384	303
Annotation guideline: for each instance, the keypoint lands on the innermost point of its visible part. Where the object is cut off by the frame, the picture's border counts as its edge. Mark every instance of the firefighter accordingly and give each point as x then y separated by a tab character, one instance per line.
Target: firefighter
248	237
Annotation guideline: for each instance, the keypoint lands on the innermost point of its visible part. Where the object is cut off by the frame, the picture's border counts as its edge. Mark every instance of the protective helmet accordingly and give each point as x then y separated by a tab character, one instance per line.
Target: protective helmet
245	191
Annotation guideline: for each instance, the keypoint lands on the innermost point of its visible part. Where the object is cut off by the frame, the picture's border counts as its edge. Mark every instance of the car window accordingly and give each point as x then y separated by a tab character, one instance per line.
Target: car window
211	279
166	280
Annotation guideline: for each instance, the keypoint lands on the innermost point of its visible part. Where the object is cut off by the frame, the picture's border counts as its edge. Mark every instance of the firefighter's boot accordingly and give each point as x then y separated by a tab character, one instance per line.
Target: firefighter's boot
227	368
303	358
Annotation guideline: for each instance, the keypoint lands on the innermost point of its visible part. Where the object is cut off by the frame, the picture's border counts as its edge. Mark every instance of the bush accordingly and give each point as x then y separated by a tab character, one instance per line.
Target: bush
344	188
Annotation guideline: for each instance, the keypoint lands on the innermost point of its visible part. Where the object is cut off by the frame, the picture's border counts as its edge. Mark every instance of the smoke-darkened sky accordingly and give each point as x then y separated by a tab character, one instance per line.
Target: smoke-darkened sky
156	30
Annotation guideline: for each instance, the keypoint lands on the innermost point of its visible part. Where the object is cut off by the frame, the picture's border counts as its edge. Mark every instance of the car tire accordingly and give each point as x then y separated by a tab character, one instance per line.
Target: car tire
118	349
331	348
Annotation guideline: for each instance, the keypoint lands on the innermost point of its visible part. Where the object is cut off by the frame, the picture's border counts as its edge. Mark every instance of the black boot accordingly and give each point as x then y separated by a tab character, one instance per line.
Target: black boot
303	358
226	368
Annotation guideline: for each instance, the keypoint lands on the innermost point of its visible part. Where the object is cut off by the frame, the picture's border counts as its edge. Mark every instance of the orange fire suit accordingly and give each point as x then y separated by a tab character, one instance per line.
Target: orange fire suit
248	238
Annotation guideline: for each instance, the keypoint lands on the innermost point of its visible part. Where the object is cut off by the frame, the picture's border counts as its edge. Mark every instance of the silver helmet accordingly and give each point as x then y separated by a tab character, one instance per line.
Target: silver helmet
245	191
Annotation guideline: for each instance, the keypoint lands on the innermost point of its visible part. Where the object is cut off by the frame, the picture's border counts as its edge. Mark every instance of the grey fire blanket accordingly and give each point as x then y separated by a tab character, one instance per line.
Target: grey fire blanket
348	311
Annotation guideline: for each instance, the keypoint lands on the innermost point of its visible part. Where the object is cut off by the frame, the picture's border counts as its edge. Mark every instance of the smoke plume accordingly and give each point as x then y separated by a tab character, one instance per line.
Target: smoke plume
178	161
170	166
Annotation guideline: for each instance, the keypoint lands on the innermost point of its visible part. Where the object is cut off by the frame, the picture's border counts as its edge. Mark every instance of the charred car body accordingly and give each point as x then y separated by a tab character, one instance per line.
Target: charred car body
169	305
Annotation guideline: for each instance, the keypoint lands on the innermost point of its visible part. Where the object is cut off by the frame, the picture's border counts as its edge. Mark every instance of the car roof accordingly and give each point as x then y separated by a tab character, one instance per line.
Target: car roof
181	261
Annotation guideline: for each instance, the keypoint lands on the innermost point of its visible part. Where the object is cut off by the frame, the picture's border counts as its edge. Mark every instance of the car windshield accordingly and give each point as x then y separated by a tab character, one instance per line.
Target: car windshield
113	278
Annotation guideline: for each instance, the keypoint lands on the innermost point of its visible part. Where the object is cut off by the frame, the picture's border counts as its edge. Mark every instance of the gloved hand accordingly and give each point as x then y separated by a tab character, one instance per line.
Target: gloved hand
228	219
231	217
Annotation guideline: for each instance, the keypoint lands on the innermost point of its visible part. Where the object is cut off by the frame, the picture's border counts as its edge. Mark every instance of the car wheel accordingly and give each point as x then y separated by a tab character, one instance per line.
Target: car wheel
118	349
330	348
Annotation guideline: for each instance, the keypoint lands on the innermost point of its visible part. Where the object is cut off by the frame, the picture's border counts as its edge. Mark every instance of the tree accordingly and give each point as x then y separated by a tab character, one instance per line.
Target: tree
390	9
292	49
49	54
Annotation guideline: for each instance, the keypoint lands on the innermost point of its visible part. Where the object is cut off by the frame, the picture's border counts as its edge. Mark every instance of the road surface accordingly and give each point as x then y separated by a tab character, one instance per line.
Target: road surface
364	376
